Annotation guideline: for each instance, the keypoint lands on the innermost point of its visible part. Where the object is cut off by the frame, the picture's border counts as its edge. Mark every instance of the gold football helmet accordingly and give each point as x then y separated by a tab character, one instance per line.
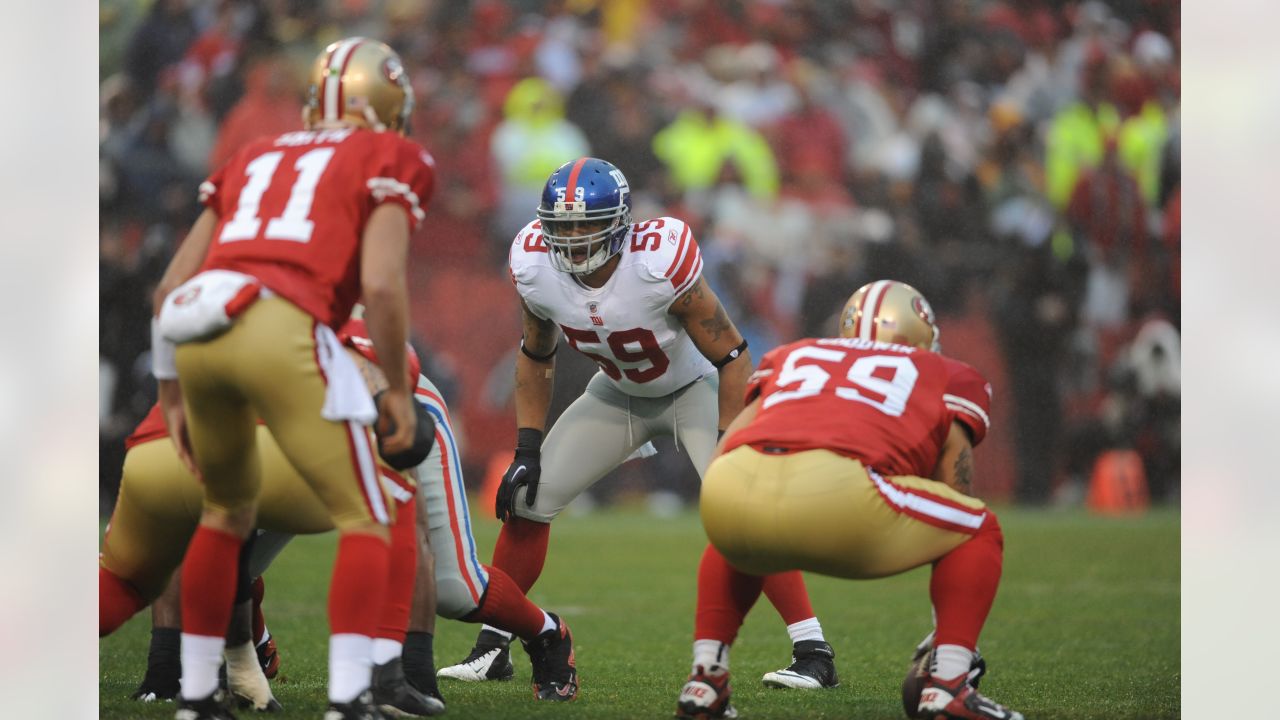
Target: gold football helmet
359	81
890	311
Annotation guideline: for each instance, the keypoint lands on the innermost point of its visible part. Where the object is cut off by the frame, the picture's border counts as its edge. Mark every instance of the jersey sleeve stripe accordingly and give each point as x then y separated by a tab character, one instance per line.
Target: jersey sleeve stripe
692	258
207	190
384	187
675	262
955	402
692	276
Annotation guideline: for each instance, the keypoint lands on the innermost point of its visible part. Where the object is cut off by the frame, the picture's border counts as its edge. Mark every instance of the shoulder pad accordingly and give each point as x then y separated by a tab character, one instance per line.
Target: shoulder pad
968	396
668	252
528	251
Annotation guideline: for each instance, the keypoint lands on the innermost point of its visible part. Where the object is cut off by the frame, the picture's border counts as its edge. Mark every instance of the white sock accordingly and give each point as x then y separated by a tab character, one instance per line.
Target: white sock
201	658
809	629
951	661
350	666
500	631
384	650
244	674
709	654
266	635
548	623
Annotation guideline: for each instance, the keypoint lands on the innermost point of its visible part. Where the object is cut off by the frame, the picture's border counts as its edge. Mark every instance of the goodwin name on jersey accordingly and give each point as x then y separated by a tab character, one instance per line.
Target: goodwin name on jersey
625	326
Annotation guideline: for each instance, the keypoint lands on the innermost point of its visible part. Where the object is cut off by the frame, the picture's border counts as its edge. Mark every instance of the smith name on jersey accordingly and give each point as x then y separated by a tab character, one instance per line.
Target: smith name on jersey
626	326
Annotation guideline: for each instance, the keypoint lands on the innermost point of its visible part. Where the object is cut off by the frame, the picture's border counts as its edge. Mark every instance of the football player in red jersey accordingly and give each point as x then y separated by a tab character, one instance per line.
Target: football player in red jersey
158	506
630	296
853	459
295	229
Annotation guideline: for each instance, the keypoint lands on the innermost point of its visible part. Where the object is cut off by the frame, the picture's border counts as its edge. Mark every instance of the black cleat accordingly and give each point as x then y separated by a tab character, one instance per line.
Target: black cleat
555	673
812	666
395	697
269	658
361	708
490	659
214	707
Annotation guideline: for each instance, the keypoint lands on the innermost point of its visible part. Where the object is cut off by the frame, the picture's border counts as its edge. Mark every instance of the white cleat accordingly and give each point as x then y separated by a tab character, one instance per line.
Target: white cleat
812	667
486	662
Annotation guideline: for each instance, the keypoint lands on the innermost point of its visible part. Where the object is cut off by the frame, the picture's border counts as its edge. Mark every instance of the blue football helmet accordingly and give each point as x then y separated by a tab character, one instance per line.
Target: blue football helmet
585	214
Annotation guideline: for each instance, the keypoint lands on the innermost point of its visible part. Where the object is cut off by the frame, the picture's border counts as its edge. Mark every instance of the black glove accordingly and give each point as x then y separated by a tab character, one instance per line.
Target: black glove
424	438
525	470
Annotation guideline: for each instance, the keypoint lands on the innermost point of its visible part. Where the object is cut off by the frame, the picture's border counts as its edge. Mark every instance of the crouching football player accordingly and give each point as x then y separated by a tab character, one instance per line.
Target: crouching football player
160	500
853	459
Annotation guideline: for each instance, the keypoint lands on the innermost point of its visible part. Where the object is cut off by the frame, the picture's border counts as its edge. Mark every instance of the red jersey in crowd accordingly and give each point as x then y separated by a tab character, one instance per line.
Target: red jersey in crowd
888	405
292	210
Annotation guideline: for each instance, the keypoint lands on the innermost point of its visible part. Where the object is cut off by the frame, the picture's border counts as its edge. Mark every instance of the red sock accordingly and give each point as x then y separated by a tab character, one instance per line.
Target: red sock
725	595
521	550
209	572
359	584
394	620
787	592
964	583
505	606
117	602
258	592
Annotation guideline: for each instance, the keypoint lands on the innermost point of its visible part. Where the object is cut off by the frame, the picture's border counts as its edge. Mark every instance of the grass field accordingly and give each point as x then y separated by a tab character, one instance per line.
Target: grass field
1086	626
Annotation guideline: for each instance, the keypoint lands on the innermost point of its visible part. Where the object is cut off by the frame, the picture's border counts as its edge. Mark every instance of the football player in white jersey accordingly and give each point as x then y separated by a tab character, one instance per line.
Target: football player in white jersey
632	298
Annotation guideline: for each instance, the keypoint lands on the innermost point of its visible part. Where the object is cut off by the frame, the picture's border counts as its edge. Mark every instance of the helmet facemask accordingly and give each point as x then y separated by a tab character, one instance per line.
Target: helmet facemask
582	240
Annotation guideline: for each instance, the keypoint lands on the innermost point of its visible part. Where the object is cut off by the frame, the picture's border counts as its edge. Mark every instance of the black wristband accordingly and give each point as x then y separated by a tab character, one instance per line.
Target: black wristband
538	358
528	439
734	354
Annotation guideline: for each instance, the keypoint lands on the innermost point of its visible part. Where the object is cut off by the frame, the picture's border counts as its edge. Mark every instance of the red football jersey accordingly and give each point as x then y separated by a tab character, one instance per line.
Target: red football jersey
355	335
292	210
151	428
888	405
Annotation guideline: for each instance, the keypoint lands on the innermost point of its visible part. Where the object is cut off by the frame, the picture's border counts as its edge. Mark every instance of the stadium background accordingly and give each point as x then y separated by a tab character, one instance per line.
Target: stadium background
1017	160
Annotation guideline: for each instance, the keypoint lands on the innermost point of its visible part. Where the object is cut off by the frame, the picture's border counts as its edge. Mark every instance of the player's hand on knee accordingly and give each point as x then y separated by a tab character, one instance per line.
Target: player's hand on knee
524	471
175	419
397	422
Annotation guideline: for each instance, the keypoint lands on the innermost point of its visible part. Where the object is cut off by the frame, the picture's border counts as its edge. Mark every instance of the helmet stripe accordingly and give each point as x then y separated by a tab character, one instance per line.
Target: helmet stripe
871	301
333	101
572	186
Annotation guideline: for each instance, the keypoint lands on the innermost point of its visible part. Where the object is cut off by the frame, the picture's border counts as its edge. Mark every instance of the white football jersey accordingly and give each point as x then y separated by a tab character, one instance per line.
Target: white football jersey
625	326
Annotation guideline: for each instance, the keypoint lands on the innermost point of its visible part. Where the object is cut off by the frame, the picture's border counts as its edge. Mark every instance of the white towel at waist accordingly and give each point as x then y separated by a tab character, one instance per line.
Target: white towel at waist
347	397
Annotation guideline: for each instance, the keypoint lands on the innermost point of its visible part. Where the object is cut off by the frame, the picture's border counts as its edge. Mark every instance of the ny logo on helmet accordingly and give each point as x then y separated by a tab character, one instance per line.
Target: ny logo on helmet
621	179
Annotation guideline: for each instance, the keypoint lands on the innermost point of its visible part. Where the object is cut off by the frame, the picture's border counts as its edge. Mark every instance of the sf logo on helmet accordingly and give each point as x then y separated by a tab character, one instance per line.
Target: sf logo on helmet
921	308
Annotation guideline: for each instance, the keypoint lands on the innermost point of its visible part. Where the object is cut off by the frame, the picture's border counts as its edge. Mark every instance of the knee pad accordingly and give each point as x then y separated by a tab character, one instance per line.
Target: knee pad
453	598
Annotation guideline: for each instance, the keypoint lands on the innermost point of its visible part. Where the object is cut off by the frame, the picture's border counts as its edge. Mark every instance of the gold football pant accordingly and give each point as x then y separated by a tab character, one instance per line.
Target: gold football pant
159	506
826	513
266	366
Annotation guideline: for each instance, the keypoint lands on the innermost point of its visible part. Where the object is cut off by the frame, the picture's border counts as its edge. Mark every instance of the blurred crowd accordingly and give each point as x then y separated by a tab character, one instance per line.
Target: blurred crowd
1016	160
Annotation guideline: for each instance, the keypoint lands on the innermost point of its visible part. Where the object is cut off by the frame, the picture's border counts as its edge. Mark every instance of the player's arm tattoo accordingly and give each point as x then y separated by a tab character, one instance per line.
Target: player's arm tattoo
697	292
964	471
539	335
718	324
